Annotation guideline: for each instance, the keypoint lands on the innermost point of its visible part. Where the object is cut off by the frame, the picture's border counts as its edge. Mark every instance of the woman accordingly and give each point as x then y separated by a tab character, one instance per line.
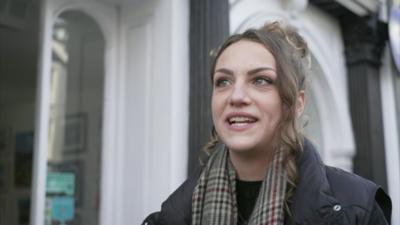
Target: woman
261	169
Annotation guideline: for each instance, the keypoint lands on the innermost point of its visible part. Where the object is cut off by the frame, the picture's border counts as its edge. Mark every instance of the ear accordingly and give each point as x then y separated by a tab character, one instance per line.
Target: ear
300	104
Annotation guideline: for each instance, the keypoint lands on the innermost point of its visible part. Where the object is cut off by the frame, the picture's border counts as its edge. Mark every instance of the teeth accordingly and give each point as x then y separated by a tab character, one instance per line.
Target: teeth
240	119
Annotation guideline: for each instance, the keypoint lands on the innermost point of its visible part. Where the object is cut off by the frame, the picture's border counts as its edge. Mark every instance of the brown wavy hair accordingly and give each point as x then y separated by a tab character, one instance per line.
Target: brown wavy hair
292	61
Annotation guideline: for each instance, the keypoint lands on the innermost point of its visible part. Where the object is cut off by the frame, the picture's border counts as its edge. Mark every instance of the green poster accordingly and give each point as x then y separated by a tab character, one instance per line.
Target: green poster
60	183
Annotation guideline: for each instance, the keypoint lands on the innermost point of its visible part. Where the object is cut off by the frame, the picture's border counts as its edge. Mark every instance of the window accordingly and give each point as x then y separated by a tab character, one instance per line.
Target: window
75	123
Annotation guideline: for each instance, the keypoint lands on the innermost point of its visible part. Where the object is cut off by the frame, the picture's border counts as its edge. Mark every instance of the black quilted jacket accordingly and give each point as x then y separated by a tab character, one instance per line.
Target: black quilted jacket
324	196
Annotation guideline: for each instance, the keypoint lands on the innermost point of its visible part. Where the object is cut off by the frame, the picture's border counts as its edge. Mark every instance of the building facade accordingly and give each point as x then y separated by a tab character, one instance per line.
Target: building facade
104	104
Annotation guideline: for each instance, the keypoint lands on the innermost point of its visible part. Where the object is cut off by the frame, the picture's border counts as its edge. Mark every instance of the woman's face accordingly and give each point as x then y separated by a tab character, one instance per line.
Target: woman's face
246	106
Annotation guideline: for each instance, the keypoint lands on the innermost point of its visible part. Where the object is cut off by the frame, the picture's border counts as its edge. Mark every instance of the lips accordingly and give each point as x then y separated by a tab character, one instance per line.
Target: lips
239	119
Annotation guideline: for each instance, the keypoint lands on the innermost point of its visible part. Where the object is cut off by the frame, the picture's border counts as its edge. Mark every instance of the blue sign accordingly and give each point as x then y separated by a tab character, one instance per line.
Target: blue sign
62	208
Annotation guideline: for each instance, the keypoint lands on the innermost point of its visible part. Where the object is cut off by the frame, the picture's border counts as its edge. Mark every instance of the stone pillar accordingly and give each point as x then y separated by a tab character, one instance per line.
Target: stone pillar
209	26
364	40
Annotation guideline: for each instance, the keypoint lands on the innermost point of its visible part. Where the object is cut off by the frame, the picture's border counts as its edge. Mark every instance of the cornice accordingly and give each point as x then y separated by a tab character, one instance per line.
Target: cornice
364	36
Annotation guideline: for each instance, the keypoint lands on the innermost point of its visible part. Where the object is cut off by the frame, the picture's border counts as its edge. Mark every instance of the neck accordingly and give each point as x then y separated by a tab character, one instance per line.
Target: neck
251	166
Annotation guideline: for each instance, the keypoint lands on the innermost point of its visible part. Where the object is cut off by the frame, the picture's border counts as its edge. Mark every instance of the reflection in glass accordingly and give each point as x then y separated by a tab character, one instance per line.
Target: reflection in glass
74	140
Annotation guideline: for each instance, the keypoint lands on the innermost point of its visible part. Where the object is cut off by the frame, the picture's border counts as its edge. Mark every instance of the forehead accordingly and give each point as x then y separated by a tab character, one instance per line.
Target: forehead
245	54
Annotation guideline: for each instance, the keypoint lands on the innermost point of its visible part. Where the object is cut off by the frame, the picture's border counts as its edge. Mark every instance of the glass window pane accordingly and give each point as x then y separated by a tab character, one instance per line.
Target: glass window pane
19	53
76	103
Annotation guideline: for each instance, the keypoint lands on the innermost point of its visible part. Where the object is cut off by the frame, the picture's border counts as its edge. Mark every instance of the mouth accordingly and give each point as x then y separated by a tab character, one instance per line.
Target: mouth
240	119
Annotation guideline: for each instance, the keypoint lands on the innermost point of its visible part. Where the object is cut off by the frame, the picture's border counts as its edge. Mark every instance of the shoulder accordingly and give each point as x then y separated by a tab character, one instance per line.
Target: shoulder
343	184
358	193
323	192
177	208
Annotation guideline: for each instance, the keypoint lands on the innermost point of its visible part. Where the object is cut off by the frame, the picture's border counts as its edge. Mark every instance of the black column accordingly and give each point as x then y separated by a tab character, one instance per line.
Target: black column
364	43
364	39
209	26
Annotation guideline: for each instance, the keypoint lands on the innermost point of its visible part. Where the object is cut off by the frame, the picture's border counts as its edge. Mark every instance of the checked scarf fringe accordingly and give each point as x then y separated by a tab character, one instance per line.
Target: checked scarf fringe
214	197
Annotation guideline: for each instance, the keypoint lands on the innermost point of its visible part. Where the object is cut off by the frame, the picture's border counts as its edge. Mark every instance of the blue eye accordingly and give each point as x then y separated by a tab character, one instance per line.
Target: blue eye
222	82
261	81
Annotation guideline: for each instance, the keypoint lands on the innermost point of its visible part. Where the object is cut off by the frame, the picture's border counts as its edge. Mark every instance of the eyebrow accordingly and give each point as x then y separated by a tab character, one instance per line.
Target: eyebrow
251	72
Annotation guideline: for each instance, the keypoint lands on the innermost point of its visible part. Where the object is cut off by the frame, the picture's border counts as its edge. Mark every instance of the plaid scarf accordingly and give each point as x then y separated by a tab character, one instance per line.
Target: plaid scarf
214	197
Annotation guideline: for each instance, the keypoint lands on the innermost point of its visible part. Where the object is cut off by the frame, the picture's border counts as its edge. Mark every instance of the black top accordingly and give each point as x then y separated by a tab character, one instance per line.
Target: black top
246	196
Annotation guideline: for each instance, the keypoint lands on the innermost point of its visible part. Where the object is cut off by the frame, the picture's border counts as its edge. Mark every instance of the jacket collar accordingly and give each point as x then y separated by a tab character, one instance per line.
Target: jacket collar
313	198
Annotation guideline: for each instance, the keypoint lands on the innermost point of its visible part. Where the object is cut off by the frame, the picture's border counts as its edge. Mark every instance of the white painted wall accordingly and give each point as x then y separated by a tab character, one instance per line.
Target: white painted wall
156	105
145	109
391	132
330	89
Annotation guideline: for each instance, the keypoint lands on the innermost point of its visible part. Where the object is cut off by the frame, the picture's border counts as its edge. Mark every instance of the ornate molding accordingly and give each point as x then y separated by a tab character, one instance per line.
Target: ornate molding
364	38
331	7
294	6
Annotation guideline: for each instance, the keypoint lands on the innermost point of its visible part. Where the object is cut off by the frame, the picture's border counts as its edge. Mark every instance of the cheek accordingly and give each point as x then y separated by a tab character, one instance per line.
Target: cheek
215	107
273	108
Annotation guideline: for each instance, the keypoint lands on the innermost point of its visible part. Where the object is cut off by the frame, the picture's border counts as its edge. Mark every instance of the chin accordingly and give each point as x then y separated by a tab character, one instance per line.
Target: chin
239	146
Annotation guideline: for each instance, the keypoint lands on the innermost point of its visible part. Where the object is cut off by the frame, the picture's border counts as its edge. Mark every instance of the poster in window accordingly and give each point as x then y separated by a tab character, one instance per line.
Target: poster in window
13	13
75	133
23	159
65	173
24	205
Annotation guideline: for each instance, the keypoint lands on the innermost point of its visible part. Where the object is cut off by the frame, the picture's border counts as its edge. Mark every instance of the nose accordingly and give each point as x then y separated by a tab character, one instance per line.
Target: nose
239	95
